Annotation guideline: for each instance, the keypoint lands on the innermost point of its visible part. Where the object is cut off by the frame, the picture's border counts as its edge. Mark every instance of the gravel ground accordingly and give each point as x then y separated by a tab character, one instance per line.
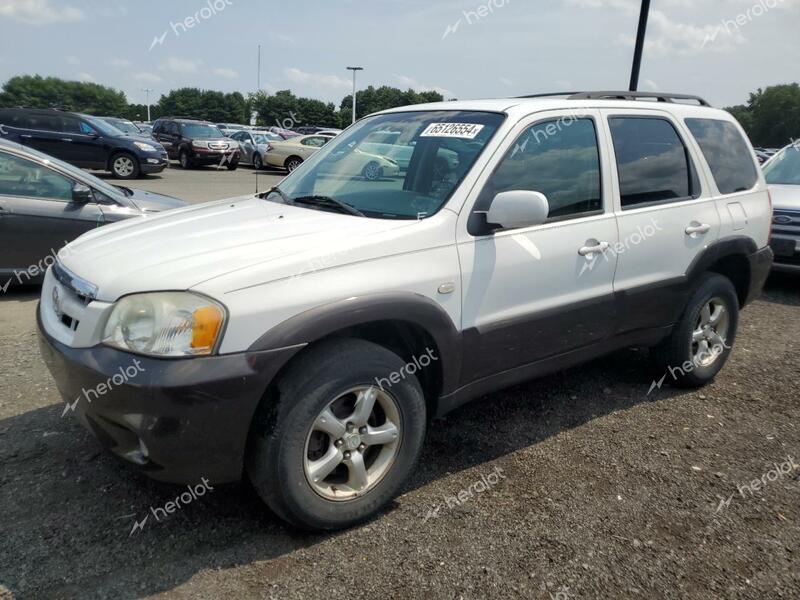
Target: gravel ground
577	485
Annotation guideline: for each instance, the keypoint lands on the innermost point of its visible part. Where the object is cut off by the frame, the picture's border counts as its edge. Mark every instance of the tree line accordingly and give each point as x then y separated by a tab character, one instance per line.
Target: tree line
771	116
282	109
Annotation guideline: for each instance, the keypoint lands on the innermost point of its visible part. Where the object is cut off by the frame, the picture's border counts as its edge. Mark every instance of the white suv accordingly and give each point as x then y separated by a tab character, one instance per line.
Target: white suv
304	337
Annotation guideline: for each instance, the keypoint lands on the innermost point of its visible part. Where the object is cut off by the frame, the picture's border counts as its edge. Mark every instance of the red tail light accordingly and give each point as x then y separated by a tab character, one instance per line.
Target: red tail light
270	148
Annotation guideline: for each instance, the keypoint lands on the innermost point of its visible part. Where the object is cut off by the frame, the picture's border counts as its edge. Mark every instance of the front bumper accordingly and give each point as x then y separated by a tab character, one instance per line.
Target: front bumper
760	265
209	157
177	419
153	162
787	253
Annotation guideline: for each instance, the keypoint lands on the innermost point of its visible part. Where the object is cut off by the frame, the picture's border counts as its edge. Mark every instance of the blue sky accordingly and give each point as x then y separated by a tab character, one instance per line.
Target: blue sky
721	49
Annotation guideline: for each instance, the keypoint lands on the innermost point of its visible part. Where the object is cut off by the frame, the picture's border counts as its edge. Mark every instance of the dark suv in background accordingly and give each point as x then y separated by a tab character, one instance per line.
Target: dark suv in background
193	143
83	141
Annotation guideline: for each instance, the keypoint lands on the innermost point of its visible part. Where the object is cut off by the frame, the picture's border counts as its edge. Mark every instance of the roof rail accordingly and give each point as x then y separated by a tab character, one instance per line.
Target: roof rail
615	95
658	96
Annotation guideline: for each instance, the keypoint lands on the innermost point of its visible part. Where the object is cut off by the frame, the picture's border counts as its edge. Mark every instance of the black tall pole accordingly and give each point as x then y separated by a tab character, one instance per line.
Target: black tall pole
637	53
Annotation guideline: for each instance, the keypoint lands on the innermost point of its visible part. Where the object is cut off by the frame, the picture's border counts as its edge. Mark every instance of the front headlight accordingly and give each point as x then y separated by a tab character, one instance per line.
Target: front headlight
145	147
165	324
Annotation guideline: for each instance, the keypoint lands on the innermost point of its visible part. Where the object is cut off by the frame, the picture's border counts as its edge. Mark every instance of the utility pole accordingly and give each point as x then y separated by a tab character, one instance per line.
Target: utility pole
354	69
637	52
258	89
147	96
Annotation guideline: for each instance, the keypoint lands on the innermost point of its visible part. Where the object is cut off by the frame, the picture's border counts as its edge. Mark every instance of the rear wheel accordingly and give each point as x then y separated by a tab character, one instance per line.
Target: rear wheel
703	338
125	166
258	164
293	162
341	446
372	171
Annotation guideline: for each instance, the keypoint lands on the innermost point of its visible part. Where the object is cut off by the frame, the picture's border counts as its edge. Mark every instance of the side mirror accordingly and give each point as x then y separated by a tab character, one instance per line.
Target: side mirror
518	208
81	194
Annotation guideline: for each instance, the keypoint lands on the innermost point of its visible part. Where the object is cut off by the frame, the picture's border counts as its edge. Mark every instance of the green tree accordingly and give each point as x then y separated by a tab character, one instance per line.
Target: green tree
373	99
284	109
209	105
771	116
35	91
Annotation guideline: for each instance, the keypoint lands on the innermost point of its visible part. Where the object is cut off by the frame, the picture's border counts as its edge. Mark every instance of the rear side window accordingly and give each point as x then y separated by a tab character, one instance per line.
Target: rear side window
727	153
653	163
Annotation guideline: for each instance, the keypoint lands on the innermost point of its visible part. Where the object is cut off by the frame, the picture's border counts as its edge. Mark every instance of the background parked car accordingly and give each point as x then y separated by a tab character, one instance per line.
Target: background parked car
290	154
254	146
124	126
229	129
83	141
46	203
783	176
195	143
286	134
330	132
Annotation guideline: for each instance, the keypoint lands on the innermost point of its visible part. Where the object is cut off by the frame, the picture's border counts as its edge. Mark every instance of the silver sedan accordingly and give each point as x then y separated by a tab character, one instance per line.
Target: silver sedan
254	146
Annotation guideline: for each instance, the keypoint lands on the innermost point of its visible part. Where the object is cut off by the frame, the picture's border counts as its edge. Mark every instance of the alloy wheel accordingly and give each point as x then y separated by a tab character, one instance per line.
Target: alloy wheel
353	443
123	166
709	338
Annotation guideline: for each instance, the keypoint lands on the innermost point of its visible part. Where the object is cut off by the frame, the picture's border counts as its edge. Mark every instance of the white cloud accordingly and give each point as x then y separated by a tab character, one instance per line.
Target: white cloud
39	12
72	60
145	77
226	73
506	81
85	77
317	80
119	62
180	65
409	82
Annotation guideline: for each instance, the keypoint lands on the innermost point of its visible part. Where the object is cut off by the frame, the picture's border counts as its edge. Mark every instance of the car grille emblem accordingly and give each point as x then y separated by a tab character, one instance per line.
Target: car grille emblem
783	220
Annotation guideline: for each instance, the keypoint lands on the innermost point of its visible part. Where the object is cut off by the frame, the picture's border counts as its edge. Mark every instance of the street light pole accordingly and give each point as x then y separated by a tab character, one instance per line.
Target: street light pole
637	52
147	96
354	69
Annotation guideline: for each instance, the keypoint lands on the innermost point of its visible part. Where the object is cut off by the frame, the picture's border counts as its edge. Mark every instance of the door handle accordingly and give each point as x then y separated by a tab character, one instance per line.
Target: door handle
66	139
588	250
25	135
697	228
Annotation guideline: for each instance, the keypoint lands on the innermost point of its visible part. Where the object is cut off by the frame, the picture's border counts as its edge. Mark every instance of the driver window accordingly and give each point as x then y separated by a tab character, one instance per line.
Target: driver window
559	158
87	129
26	179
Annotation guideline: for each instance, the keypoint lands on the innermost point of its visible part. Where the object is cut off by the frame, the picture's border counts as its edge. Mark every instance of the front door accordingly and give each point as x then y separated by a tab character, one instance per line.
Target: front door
539	292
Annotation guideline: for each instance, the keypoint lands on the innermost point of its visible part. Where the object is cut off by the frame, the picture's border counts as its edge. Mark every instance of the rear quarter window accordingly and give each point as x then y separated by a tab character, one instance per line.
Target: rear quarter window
727	153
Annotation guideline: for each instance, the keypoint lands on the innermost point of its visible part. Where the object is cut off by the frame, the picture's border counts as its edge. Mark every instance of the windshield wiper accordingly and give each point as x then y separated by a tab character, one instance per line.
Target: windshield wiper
327	201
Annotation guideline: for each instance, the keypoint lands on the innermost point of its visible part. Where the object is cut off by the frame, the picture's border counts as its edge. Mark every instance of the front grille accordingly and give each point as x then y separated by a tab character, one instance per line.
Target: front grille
786	222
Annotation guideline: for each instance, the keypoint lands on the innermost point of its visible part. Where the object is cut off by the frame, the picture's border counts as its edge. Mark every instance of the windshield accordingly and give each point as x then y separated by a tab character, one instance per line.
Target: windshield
124	126
395	166
103	127
200	130
784	169
265	138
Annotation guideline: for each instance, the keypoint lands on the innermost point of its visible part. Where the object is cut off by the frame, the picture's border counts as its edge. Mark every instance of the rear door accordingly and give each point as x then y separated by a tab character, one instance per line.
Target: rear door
44	131
38	215
666	213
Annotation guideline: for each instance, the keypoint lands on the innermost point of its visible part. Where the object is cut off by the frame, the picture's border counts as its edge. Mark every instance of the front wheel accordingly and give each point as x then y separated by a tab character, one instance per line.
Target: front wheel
125	166
703	338
258	164
372	171
342	440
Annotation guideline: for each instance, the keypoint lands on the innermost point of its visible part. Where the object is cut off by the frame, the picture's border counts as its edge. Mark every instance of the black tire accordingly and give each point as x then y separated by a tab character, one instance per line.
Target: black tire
185	160
675	358
258	164
125	165
372	171
232	166
292	163
277	448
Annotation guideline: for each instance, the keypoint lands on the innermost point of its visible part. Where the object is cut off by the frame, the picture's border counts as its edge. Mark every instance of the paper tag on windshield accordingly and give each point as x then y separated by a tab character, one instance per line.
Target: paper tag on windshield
452	130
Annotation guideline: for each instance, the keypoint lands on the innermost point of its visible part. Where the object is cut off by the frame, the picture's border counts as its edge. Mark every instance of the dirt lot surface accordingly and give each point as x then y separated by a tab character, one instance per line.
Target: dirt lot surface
578	485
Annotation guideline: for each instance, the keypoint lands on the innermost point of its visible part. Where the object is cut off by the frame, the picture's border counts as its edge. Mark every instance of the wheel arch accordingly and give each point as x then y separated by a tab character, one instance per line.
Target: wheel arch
407	324
729	257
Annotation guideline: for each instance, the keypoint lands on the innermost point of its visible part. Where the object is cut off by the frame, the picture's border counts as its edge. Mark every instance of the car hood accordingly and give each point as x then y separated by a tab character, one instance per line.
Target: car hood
248	239
152	202
785	197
